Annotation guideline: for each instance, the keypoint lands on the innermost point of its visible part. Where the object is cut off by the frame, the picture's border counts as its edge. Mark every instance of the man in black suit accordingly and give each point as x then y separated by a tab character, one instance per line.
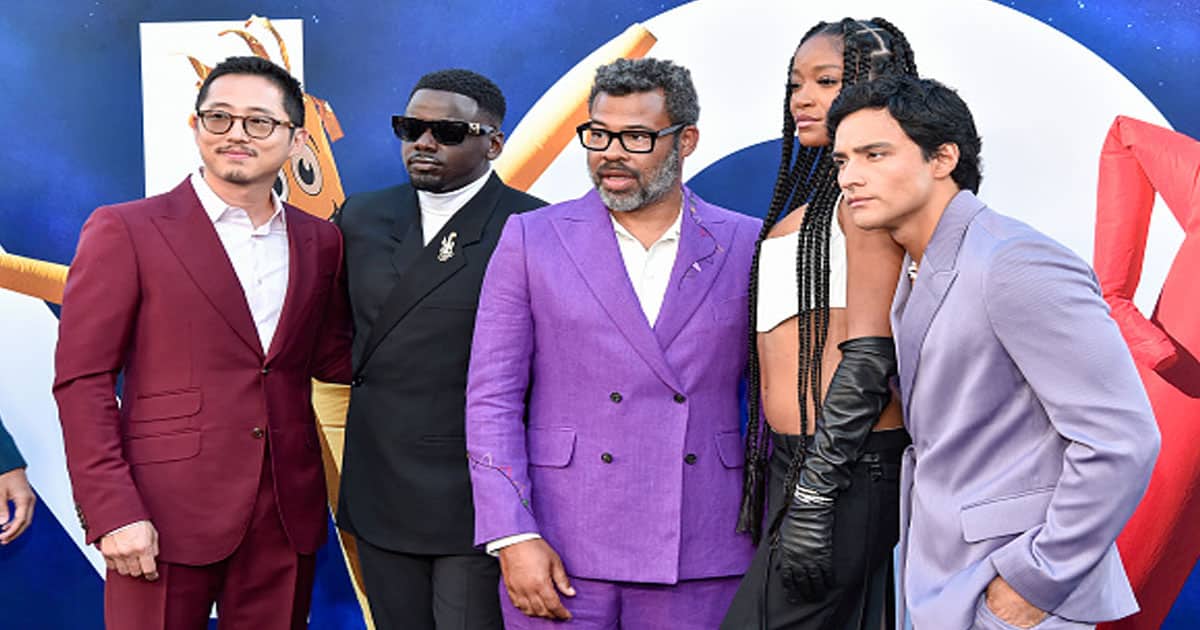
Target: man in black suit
415	258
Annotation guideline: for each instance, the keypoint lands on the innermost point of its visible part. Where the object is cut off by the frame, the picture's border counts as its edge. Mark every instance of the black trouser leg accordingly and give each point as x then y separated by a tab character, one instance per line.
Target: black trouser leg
399	588
465	593
418	592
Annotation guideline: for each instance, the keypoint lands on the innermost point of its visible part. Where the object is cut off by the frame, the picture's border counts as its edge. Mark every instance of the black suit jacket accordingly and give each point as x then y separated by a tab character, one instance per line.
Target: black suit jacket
405	484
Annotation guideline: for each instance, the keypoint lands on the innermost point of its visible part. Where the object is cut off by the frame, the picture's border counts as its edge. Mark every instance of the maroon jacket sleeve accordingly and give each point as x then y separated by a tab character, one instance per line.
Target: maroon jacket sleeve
100	304
331	360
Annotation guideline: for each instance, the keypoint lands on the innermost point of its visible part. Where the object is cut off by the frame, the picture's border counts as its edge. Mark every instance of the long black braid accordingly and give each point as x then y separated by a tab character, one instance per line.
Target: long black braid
870	49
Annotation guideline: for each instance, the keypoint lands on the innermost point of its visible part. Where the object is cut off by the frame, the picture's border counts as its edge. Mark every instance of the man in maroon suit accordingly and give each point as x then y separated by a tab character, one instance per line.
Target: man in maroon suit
217	303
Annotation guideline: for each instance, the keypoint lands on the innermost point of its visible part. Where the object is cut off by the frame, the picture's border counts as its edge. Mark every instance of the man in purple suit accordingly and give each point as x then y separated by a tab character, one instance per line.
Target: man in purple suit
602	399
1033	439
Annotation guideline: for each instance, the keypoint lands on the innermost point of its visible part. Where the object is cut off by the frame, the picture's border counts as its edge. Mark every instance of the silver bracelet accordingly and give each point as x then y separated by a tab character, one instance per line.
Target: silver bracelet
806	496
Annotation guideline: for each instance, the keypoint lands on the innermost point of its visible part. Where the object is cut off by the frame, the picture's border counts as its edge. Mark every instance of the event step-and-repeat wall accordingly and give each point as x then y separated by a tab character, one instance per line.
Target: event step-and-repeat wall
97	96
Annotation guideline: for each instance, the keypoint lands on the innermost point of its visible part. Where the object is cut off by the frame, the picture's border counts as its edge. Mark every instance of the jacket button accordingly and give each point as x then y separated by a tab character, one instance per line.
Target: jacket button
690	458
606	458
266	370
356	381
615	397
680	398
257	433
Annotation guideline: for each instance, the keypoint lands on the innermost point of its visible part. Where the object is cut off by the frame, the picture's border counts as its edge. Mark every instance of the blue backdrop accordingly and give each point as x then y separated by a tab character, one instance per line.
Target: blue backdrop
71	110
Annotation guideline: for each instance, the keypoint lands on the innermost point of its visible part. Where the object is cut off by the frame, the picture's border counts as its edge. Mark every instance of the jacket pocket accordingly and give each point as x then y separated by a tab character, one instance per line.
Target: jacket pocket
176	404
732	309
730	449
550	447
1006	515
162	448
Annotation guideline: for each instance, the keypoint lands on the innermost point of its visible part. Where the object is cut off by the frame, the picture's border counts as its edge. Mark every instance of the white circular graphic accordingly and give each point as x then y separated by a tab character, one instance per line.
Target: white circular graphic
1042	101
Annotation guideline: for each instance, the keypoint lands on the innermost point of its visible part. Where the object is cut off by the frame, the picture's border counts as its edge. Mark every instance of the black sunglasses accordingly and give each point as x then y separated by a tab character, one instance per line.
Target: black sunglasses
447	132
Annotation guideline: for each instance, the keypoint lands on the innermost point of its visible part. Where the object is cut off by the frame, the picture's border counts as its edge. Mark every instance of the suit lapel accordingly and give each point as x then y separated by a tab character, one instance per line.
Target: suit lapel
927	295
933	282
704	240
421	267
302	270
590	241
190	234
407	238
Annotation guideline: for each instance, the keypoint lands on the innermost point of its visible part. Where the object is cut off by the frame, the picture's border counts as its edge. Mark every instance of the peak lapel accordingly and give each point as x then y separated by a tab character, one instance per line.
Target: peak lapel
302	273
190	234
928	292
933	282
703	241
424	267
407	238
591	243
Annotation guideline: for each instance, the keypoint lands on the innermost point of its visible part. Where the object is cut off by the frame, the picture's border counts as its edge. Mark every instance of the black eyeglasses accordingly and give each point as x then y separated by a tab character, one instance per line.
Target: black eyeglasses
447	132
258	127
633	140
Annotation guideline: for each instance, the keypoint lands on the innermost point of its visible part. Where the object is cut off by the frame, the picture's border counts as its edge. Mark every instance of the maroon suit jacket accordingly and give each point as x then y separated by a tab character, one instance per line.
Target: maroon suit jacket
151	293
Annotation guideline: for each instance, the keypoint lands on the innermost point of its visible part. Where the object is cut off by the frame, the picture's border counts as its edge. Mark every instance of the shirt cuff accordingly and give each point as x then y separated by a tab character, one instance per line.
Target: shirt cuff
494	547
124	527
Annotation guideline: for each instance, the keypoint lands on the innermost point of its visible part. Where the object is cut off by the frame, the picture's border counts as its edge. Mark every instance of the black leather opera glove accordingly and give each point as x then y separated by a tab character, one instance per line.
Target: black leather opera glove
859	392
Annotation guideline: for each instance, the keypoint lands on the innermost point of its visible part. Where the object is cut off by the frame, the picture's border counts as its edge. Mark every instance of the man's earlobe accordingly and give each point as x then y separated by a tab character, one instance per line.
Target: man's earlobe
299	139
947	159
689	137
496	147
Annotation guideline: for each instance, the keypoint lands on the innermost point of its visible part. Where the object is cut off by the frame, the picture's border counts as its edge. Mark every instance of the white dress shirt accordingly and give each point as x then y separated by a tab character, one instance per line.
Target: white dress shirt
438	208
259	255
649	269
650	272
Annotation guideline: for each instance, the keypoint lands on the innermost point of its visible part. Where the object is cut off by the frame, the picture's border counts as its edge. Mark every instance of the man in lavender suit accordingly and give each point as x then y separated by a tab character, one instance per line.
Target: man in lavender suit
1033	439
602	398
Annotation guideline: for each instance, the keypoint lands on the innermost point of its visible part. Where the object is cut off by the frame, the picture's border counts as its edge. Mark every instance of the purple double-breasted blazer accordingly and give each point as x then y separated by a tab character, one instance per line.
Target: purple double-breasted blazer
1033	439
616	441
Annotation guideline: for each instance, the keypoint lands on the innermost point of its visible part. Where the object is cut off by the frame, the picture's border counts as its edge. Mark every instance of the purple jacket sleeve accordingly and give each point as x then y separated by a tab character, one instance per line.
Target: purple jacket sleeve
1046	310
499	376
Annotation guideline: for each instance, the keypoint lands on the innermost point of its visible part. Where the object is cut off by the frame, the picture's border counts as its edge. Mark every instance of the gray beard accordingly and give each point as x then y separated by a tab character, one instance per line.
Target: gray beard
662	180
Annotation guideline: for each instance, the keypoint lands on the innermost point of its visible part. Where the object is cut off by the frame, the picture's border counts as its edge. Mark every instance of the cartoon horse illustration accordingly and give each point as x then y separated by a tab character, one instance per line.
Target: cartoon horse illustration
310	181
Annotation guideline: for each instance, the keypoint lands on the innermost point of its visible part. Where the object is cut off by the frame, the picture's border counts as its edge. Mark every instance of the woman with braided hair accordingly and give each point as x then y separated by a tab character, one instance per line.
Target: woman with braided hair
821	361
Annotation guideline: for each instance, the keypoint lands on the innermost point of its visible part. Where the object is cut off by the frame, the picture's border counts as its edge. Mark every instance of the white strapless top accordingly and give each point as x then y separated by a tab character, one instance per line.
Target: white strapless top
778	298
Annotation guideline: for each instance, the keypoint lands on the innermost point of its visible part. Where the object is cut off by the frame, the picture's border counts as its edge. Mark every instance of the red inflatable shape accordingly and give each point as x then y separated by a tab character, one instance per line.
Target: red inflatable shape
1159	545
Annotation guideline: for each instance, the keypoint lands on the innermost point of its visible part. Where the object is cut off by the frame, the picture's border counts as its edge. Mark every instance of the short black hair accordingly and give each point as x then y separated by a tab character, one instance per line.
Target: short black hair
629	76
470	84
930	113
293	95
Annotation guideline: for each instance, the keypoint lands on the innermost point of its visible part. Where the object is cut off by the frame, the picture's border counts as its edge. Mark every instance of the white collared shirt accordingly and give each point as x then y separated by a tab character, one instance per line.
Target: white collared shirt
649	269
259	255
438	208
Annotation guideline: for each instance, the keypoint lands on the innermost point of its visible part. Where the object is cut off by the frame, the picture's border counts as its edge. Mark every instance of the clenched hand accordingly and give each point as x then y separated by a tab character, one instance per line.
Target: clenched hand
131	550
534	576
15	487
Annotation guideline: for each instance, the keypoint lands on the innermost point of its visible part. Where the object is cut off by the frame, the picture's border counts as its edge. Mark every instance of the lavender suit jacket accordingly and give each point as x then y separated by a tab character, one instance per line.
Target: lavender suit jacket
615	441
1033	439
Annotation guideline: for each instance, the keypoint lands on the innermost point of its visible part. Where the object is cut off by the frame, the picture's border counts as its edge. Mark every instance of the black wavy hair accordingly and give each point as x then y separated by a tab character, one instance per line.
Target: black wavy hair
470	84
930	114
870	48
